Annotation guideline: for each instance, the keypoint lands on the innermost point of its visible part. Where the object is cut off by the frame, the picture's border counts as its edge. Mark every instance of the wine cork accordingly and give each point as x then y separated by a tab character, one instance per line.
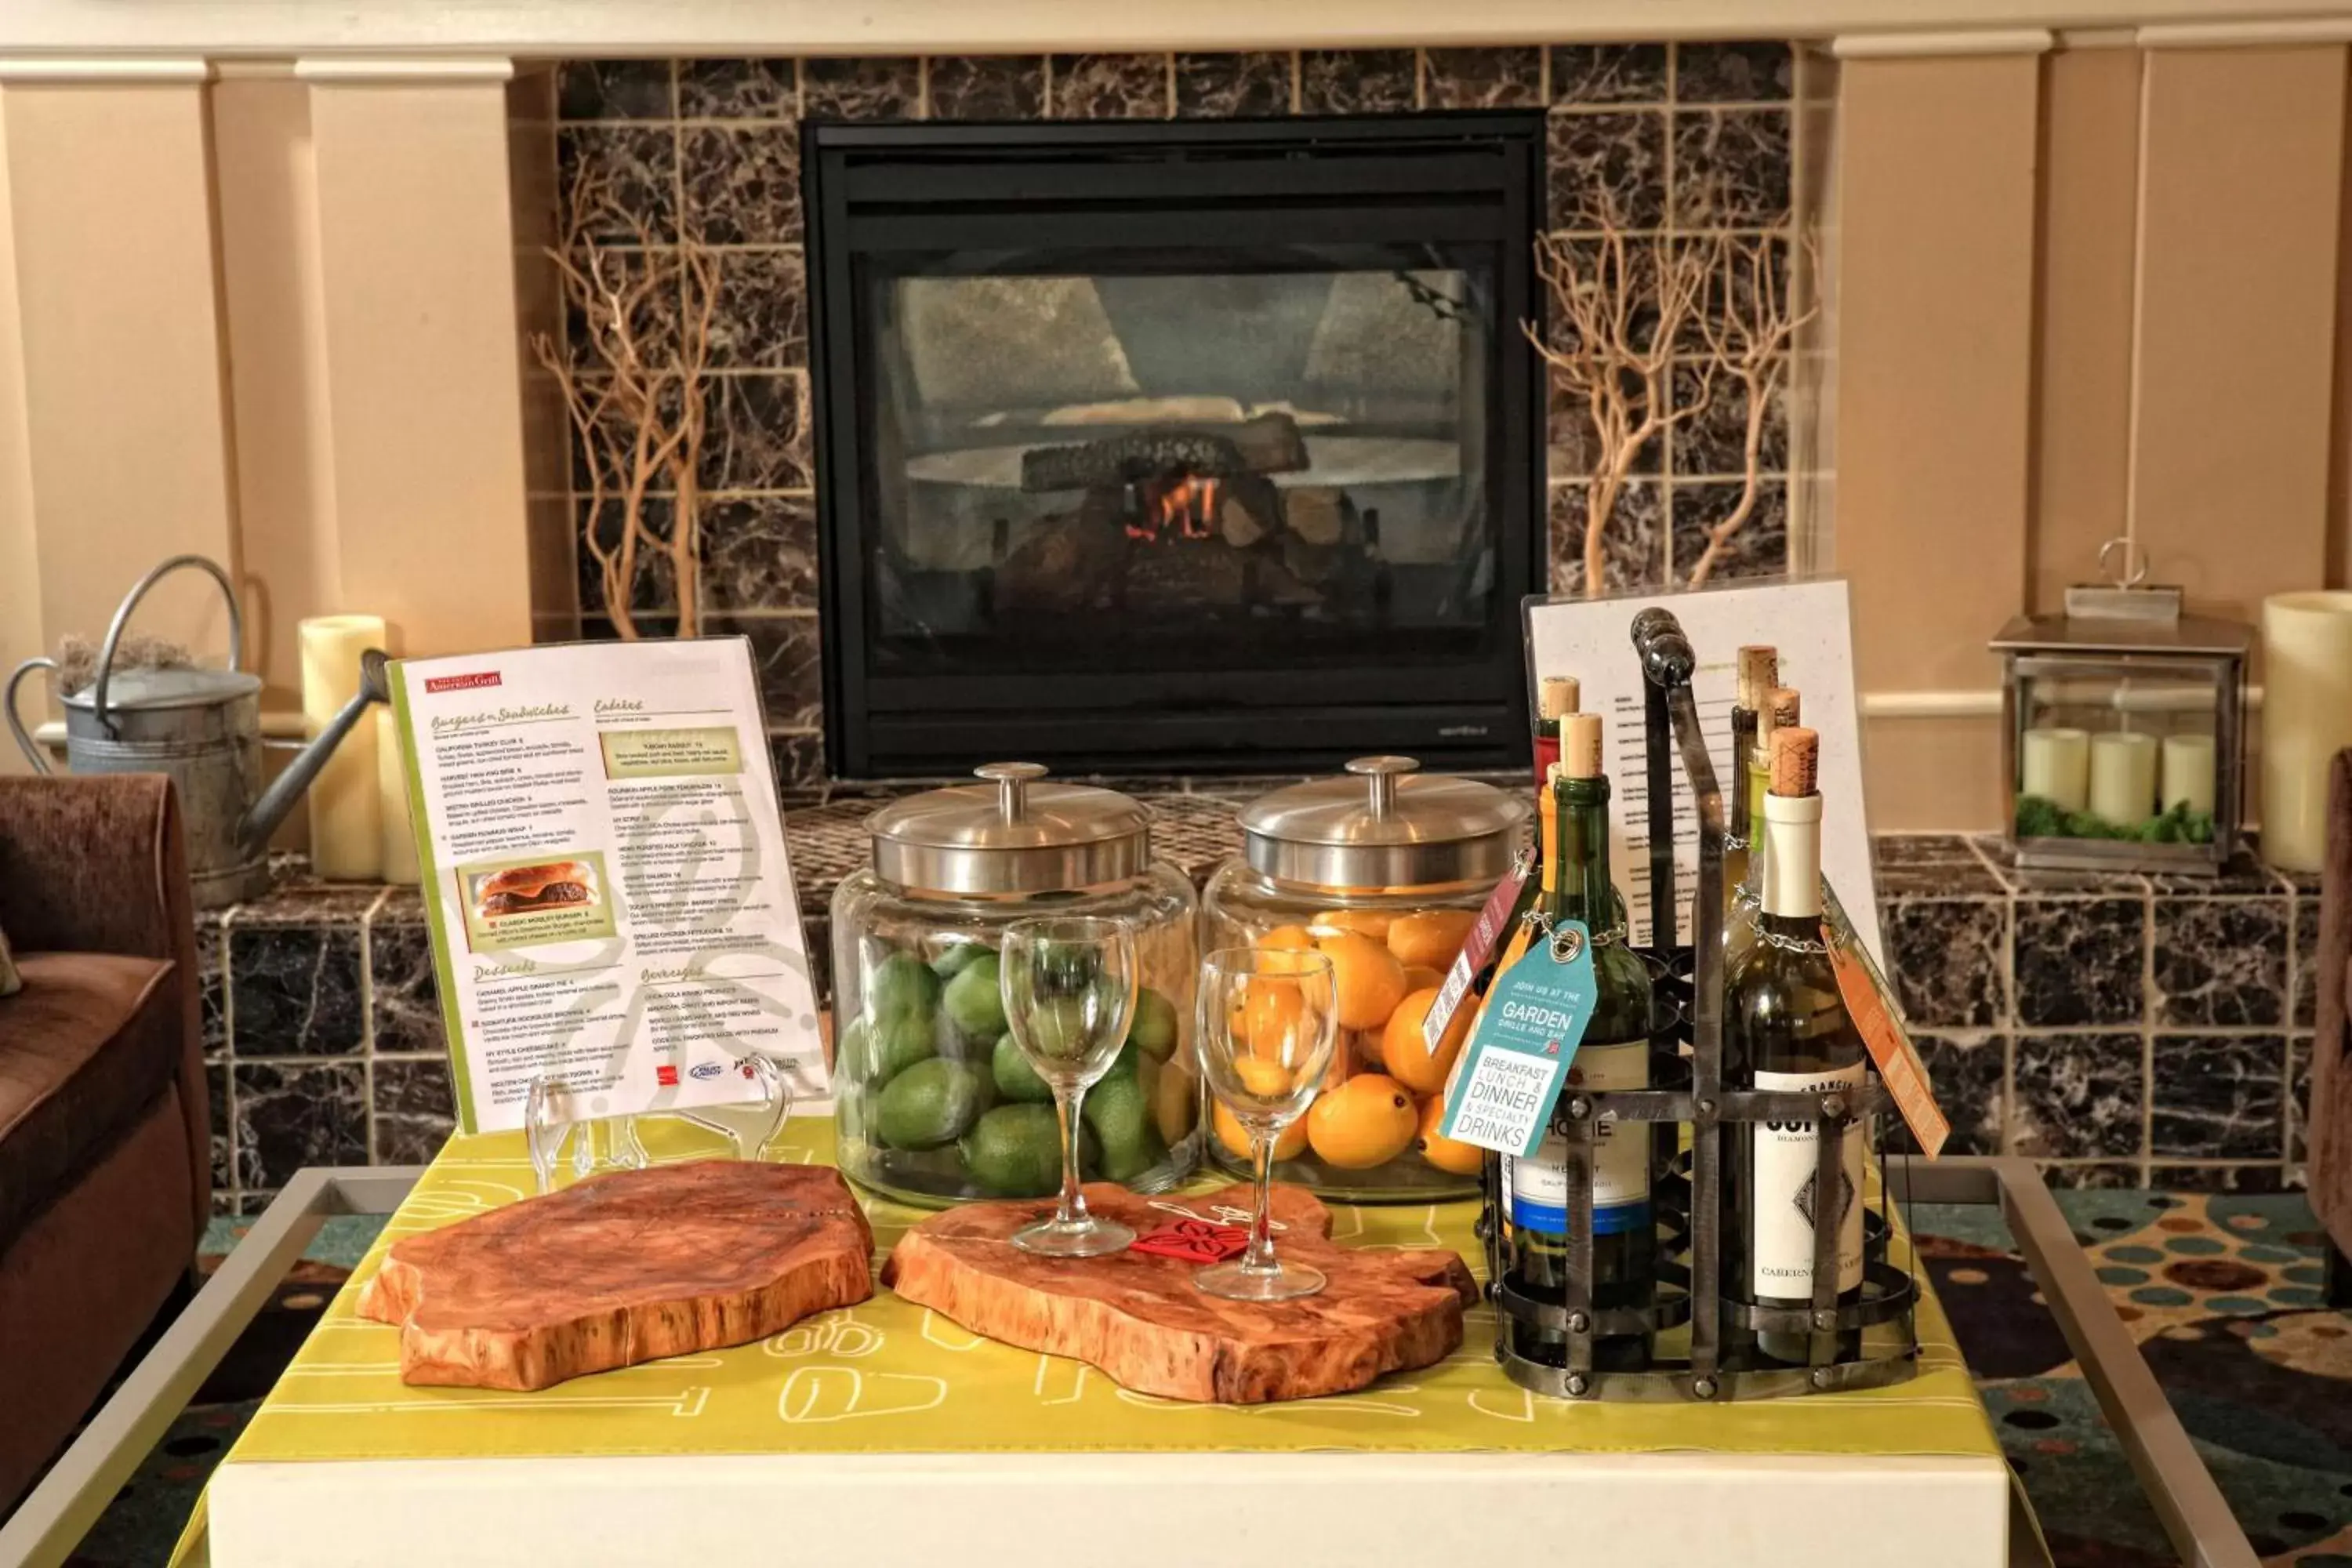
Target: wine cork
1580	745
1796	759
1760	671
1558	696
1787	707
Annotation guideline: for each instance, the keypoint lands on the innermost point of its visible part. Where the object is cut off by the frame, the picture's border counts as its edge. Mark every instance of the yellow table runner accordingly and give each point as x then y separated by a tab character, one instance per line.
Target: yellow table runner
888	1376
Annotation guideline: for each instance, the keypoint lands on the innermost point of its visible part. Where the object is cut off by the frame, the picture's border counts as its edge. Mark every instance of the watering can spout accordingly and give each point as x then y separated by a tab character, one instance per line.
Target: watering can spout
254	829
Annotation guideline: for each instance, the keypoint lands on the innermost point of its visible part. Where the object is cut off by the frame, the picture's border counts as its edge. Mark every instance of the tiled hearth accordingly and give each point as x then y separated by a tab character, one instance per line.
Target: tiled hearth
2122	1030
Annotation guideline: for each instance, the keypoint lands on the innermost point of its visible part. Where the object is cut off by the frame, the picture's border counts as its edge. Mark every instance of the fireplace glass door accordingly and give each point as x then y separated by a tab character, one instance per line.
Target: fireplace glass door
1162	479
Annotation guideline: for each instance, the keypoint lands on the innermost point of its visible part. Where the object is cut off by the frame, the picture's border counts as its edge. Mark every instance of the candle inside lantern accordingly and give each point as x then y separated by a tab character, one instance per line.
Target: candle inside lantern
345	826
2123	776
2188	774
2057	767
391	798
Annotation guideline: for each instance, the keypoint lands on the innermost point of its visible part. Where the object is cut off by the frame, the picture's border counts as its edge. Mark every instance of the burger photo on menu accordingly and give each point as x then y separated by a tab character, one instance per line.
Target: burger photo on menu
526	901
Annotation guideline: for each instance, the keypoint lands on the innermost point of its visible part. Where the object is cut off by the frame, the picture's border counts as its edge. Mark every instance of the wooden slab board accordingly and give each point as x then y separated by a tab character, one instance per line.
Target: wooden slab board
620	1268
1142	1322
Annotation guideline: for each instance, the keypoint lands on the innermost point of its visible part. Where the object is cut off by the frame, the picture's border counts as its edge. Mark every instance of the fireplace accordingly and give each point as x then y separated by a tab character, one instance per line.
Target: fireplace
1175	447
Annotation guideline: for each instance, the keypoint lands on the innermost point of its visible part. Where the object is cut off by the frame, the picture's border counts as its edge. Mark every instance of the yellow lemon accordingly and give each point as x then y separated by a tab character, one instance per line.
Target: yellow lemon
1365	1121
1407	1058
1450	1156
1236	1139
1368	978
1430	938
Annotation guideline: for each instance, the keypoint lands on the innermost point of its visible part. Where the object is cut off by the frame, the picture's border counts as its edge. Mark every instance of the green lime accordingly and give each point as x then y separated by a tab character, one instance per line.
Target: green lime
1017	1081
1015	1152
933	1103
971	1000
894	1042
952	962
1154	1028
901	984
1118	1111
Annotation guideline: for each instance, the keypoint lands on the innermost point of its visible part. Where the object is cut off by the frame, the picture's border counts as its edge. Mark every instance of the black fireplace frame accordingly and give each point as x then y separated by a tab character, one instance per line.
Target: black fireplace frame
869	188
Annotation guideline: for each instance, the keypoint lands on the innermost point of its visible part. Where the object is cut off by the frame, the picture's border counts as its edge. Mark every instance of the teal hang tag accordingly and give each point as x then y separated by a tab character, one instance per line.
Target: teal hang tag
1502	1091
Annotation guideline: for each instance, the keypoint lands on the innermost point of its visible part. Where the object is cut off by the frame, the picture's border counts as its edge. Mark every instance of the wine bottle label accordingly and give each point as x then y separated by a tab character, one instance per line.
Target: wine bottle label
1787	1201
1537	1184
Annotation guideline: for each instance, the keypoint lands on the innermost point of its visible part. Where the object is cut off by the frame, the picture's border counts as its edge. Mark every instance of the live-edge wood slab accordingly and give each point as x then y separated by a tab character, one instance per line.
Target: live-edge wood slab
621	1269
1141	1320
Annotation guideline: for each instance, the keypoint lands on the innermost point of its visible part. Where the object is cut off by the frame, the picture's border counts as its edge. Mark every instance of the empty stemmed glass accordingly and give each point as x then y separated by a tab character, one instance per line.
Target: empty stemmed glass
1265	1039
1068	985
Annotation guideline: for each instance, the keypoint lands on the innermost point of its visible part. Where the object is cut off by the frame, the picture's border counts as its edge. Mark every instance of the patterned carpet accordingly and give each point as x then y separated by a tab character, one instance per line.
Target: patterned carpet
2222	1293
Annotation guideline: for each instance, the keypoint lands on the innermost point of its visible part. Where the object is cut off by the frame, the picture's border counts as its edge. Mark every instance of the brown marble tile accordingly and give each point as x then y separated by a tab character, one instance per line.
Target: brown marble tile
1608	73
1745	72
1109	87
1232	86
1713	442
655	586
758	433
760	320
638	163
785	658
798	757
1608	165
987	86
861	88
1358	81
1731	168
742	183
759	552
1634	542
739	89
1482	79
1758	549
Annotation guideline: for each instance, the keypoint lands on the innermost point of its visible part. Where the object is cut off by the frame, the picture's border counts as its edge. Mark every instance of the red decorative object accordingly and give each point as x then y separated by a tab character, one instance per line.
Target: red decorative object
1194	1241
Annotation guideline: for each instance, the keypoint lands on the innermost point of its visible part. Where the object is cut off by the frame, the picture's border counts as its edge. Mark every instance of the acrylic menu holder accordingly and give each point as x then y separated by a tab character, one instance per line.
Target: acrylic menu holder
598	1145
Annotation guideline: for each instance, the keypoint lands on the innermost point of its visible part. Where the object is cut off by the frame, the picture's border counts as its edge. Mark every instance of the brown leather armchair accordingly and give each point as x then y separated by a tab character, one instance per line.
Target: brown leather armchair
105	1129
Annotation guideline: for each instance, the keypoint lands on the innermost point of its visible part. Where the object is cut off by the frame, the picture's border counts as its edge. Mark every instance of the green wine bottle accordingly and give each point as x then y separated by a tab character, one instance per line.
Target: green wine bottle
1557	696
1614	1054
1786	1028
1758	672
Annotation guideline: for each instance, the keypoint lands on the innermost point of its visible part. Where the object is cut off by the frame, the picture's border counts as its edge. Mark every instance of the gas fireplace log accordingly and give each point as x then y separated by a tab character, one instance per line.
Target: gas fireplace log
1065	563
1270	444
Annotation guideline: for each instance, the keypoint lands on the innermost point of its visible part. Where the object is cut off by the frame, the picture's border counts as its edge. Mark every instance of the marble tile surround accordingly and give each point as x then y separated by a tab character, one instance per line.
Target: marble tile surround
1680	139
2183	1063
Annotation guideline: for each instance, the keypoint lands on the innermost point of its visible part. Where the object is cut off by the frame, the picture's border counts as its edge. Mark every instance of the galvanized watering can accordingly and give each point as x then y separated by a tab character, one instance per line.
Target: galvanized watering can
203	727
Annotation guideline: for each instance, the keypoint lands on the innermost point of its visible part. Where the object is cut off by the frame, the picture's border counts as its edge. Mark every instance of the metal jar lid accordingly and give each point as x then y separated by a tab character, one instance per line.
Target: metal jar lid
1011	835
1381	828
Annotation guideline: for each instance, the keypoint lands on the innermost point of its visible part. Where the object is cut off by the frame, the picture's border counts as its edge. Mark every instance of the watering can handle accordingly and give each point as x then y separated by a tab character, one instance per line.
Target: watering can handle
122	621
15	725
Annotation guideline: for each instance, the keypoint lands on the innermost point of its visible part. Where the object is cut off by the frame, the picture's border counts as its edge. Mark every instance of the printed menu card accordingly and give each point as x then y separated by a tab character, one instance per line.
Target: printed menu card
604	876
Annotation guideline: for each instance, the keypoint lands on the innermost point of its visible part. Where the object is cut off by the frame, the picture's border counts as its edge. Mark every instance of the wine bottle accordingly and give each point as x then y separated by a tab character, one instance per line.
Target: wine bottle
1758	672
1557	696
1614	1054
1783	709
1786	1028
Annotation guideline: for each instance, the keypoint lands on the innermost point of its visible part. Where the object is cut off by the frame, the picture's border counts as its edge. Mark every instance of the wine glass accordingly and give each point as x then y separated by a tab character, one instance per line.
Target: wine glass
1265	1038
1068	985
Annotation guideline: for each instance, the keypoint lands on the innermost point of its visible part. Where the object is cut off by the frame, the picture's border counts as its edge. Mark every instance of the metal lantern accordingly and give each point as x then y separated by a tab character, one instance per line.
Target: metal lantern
2123	732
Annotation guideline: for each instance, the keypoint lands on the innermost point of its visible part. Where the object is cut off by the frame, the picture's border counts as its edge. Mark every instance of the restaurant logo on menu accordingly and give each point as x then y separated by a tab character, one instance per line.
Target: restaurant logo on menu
460	682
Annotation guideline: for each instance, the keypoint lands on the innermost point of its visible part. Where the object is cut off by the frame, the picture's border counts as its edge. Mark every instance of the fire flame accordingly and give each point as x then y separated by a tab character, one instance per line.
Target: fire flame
1186	505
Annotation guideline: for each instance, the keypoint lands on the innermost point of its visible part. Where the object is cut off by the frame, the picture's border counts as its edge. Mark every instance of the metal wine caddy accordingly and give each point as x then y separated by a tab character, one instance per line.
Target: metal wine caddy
1686	1186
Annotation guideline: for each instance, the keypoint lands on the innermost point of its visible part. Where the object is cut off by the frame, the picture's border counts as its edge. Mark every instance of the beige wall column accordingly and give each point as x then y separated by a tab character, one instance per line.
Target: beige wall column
424	391
1935	375
2241	173
114	438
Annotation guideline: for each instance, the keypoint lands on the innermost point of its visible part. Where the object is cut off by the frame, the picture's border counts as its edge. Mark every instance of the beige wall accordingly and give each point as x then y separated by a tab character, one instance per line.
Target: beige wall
2085	293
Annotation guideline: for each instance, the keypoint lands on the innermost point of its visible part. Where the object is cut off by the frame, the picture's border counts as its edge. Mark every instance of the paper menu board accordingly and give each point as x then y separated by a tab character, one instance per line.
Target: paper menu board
604	871
1812	625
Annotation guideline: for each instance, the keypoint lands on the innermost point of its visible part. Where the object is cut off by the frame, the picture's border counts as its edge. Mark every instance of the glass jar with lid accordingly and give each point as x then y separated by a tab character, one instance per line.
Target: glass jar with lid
1384	870
933	1103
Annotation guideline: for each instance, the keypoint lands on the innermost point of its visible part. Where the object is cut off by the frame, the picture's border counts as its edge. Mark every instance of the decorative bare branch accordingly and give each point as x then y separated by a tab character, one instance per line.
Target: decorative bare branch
635	399
1748	323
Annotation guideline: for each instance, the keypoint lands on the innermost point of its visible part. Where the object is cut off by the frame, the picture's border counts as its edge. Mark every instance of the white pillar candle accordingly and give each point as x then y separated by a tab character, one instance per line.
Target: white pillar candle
2057	767
2123	777
2306	719
399	856
346	827
2188	774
